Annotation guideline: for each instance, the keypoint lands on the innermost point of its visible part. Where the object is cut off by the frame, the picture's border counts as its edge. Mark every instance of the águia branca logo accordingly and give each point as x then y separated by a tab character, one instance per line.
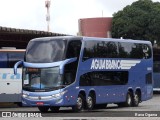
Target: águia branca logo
113	64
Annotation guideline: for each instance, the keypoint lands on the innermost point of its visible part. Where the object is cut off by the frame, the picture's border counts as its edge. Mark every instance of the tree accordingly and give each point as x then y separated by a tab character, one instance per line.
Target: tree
140	20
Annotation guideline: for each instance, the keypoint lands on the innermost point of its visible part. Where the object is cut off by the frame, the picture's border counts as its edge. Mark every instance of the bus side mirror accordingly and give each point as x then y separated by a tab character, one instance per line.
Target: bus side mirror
67	61
16	66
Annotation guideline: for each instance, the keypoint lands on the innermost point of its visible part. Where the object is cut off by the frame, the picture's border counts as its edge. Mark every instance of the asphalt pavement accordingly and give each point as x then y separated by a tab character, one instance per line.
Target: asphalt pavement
146	110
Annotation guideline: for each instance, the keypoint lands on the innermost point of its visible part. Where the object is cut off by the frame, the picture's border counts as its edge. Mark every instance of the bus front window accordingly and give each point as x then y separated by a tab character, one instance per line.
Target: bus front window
45	51
44	78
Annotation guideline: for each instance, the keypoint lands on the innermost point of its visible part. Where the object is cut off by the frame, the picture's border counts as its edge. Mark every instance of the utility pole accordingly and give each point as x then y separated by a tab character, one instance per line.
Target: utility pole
47	5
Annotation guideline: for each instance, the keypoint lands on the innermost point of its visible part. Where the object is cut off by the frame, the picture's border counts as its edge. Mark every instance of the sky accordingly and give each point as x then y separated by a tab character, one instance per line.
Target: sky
64	14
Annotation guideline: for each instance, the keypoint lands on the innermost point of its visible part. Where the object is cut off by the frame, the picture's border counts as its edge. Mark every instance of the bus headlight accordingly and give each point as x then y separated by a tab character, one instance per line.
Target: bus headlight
59	94
24	95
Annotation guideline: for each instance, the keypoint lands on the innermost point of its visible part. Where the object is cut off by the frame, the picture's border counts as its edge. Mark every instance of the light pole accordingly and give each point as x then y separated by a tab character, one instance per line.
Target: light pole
47	5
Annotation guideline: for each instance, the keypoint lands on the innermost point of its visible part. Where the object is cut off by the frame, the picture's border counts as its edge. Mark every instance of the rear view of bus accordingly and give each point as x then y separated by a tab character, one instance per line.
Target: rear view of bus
10	84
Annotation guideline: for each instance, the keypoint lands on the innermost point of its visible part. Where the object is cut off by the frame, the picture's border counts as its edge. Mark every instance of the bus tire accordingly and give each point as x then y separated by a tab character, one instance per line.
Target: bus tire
136	99
129	100
43	108
79	104
19	104
90	101
54	108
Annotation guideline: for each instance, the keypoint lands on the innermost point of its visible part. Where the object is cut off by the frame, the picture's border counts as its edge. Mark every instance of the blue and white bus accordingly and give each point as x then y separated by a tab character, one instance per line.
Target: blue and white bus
10	84
86	72
156	69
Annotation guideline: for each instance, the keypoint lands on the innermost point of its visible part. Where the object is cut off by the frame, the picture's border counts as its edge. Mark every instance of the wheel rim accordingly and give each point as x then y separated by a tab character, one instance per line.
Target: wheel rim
79	103
129	100
89	102
136	99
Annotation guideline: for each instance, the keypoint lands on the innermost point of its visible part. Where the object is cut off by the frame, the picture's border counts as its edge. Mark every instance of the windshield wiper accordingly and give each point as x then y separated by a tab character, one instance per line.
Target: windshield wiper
63	86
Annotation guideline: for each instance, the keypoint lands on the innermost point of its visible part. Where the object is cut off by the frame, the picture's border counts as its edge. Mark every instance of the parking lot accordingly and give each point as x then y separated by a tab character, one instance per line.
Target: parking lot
150	108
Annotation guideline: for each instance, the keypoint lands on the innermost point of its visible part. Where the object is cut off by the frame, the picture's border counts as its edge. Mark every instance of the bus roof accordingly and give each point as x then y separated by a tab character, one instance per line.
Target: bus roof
117	40
68	38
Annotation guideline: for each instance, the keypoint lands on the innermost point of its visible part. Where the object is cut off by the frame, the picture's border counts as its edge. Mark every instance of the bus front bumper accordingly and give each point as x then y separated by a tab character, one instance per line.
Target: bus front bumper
40	102
59	99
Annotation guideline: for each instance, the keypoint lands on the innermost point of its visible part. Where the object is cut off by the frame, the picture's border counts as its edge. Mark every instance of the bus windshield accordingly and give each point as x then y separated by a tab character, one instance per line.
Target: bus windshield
45	51
45	78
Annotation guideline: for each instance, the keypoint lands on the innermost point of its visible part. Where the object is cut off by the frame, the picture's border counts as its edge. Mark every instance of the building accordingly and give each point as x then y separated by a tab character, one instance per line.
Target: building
95	27
19	38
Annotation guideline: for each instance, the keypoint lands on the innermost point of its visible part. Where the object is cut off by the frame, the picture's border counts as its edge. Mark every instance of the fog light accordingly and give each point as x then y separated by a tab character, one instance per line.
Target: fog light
24	95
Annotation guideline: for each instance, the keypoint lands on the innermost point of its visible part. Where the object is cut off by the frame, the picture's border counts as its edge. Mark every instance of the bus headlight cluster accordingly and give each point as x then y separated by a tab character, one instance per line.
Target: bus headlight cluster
24	95
59	94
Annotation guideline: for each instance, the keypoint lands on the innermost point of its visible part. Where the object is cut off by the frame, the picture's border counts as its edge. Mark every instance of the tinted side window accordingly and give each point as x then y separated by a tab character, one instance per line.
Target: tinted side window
3	60
100	49
70	71
103	78
85	80
14	57
125	49
147	52
73	49
137	51
134	50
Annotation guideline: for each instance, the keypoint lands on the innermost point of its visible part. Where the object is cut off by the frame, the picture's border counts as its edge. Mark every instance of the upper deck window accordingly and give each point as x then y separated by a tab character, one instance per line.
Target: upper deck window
134	50
45	51
114	49
100	49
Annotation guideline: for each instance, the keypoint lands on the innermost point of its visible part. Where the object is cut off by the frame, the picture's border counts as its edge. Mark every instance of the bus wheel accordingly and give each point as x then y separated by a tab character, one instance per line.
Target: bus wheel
54	108
129	100
43	108
90	101
136	99
19	104
80	103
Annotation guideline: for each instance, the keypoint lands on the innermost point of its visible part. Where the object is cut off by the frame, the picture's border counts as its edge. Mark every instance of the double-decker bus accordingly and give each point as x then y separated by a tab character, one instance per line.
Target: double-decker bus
10	84
86	72
156	69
